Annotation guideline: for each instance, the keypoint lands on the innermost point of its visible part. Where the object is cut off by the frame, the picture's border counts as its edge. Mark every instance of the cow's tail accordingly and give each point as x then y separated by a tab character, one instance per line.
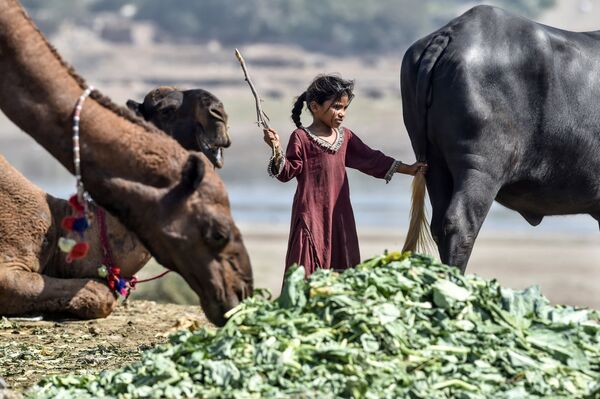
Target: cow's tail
418	237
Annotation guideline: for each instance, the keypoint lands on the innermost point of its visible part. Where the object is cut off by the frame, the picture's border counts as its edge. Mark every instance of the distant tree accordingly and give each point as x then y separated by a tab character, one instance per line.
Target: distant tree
50	15
333	26
325	25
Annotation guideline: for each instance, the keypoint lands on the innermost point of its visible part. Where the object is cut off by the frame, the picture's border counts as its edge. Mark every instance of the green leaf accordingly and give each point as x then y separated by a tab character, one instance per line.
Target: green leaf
292	293
386	313
446	293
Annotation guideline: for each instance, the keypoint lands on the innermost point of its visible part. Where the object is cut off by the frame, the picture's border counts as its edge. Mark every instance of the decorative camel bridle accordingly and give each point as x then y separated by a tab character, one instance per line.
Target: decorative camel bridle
81	219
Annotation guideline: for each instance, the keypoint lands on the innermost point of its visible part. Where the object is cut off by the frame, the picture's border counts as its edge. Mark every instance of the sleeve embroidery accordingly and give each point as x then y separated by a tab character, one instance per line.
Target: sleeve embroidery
271	164
391	171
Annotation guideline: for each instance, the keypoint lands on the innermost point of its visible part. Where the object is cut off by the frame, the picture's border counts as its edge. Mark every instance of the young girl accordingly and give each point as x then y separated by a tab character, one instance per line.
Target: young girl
323	231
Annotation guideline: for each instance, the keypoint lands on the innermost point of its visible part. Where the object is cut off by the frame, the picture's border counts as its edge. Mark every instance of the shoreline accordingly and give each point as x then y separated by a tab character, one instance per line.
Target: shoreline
270	230
565	266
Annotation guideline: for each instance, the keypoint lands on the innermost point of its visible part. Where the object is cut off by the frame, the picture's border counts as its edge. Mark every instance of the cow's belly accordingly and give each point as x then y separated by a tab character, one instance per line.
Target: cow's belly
548	199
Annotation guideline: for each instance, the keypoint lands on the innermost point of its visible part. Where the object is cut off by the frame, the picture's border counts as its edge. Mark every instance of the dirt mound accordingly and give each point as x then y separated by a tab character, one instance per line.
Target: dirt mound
31	350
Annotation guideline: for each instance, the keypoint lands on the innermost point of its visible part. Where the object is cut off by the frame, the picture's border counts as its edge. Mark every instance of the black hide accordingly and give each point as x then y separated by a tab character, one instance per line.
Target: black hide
506	109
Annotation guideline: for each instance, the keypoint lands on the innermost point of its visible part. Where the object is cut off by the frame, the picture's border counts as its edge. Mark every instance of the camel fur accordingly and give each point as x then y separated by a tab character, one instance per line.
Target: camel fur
34	273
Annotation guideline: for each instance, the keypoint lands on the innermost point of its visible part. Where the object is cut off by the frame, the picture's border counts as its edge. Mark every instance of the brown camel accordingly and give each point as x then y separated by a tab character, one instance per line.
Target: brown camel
169	197
127	251
195	118
30	226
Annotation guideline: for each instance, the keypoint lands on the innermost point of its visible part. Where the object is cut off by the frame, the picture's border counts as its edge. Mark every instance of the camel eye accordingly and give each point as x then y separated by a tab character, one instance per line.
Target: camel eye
218	236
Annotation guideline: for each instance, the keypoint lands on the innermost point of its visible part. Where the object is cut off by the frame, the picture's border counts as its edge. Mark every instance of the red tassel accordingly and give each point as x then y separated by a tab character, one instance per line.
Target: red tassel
79	251
116	271
74	201
67	223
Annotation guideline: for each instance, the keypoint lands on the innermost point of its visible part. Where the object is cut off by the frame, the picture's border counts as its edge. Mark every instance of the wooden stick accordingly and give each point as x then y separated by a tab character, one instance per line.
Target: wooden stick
261	118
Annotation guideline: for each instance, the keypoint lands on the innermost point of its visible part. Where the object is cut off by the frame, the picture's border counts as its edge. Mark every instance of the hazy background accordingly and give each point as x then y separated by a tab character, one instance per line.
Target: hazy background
126	48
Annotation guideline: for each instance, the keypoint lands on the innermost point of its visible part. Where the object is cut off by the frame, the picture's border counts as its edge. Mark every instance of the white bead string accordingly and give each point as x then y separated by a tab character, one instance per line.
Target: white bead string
81	194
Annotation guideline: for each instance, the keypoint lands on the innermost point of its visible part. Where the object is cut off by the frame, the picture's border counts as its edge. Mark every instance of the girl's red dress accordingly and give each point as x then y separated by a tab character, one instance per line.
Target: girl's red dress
323	231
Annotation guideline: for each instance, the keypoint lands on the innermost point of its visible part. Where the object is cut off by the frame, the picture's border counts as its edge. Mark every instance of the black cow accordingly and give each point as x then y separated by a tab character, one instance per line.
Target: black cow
503	108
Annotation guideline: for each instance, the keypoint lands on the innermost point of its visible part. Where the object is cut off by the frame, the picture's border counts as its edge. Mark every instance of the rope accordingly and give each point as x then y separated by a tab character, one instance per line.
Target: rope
151	278
108	259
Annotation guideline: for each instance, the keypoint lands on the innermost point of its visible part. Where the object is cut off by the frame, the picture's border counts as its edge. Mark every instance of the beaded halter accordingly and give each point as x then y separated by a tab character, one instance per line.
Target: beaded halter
80	220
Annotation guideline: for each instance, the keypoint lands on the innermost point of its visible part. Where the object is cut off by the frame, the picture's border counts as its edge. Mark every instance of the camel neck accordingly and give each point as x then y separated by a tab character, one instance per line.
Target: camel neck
39	104
38	92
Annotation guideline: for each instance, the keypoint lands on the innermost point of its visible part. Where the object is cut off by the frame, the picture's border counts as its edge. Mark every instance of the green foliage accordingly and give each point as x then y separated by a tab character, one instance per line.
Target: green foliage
333	26
393	327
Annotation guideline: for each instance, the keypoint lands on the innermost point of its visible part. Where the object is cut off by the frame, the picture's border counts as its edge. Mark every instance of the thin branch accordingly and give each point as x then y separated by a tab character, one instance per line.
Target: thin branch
261	117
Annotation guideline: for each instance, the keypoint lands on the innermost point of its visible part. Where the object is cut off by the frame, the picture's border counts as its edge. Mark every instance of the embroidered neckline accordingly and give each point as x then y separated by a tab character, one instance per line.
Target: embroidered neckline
334	147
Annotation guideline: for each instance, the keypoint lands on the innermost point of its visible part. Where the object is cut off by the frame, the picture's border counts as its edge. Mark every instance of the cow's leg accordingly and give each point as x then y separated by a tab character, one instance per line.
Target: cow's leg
23	291
439	187
474	192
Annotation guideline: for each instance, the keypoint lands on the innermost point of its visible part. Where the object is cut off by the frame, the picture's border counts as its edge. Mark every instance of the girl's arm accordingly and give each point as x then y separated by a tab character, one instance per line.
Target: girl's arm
412	169
375	163
371	162
285	167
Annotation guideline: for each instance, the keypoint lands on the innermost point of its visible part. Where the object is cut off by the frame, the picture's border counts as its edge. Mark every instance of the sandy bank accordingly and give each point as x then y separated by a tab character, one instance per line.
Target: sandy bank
567	267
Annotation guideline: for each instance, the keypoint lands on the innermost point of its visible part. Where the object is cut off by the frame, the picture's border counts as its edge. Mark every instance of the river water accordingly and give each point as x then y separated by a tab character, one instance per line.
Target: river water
375	205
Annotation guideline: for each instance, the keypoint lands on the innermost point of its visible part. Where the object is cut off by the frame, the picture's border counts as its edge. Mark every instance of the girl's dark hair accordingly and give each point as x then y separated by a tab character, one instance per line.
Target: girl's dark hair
322	88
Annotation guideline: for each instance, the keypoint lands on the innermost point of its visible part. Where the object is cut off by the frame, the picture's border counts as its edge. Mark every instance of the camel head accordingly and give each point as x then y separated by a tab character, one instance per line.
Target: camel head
195	118
187	225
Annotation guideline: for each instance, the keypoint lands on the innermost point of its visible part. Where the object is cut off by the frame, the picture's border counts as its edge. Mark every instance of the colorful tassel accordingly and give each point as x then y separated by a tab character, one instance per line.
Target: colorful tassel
66	244
77	223
78	251
74	202
80	224
67	223
102	271
121	284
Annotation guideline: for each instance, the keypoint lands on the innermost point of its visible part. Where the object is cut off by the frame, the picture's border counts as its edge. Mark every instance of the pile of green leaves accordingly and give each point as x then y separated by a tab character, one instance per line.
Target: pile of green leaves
393	327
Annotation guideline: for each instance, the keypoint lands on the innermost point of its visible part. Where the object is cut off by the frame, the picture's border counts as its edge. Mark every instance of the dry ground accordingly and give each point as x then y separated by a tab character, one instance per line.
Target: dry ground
31	350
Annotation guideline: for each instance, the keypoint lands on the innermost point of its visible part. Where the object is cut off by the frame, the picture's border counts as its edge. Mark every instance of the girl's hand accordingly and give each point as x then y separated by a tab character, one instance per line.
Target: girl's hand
271	138
414	168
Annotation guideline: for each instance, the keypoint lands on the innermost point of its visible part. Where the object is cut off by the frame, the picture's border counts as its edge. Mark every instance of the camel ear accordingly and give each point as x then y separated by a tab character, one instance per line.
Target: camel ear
192	173
135	107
